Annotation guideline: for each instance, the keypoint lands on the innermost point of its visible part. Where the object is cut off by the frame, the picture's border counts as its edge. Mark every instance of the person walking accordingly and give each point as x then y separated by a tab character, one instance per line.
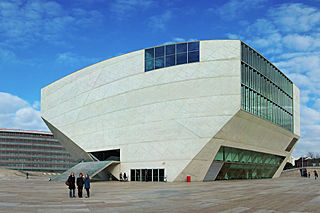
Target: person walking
87	185
120	176
315	174
27	174
125	178
80	183
71	183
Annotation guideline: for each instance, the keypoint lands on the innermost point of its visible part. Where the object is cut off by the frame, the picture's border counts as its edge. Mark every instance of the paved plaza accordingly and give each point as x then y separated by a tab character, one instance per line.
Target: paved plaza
285	194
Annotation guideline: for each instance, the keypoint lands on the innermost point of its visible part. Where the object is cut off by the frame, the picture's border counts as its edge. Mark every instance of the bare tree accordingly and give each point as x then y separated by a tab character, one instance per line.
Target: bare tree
311	154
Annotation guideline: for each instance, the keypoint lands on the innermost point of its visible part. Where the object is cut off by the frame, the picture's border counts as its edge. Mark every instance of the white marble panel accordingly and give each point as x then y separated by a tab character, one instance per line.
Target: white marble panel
220	50
296	110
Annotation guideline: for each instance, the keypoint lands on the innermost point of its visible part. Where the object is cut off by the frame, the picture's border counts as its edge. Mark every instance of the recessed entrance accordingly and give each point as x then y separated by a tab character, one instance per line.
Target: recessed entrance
147	175
107	155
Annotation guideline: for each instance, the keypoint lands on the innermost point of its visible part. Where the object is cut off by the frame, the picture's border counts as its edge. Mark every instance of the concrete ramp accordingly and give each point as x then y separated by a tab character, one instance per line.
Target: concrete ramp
90	168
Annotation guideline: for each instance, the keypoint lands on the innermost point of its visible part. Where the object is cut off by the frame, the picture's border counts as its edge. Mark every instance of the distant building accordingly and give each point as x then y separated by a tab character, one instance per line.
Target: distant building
212	110
307	162
32	150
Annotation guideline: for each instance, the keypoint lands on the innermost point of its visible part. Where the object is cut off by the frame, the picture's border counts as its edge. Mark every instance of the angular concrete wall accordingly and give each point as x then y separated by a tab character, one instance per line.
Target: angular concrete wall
243	131
174	118
158	119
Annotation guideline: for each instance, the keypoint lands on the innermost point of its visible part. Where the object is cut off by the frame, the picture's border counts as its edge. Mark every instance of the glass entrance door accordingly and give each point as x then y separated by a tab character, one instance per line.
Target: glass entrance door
147	175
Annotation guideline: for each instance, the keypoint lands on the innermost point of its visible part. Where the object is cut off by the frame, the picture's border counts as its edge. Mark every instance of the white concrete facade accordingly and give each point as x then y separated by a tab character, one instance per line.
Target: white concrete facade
163	118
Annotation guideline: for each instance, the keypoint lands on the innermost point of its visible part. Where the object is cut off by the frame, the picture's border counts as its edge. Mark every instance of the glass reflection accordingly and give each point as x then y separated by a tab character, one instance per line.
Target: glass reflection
245	164
170	55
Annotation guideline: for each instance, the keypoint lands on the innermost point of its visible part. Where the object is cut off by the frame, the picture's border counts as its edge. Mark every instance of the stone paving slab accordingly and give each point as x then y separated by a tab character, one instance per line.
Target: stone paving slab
284	194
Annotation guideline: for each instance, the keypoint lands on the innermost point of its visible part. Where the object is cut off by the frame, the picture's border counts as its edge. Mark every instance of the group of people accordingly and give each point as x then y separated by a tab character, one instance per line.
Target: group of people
123	177
315	174
81	182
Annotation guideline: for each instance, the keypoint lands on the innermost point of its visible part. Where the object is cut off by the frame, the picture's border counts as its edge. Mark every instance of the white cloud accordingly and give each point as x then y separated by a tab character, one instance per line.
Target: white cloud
122	9
25	22
6	55
289	37
301	42
10	103
233	8
159	22
295	17
178	40
74	60
16	113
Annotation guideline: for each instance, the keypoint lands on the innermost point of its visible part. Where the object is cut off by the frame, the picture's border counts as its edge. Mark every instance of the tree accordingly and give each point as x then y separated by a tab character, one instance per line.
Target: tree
311	154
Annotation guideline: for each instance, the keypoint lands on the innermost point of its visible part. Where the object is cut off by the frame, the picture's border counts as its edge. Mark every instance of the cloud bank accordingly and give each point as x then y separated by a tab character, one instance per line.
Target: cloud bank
16	113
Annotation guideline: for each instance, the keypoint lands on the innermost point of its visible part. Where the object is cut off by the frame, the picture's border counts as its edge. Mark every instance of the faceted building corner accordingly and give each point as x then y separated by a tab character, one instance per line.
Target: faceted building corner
212	110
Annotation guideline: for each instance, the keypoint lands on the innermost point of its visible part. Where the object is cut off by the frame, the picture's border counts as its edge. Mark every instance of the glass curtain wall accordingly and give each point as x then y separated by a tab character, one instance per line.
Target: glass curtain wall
245	164
170	55
265	91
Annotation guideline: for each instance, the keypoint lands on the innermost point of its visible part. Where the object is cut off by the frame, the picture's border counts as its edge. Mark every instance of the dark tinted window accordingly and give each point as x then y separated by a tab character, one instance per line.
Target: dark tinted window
149	54
170	60
159	51
159	63
149	65
182	48
193	56
170	55
161	174
182	58
170	49
193	46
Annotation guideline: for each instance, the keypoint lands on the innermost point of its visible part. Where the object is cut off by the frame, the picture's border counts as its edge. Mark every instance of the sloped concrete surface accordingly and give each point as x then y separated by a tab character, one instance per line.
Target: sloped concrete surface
90	168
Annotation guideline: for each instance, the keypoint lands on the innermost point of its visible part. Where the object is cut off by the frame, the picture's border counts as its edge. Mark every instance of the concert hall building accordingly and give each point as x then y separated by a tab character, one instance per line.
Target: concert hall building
211	109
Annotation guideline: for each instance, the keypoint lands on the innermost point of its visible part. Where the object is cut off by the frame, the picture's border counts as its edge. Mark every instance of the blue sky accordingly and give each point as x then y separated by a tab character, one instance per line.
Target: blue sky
42	41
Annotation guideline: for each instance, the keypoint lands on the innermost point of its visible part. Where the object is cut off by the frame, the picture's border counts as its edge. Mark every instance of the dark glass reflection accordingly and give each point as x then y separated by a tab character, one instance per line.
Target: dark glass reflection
137	174
182	48
154	175
170	49
182	58
149	175
159	63
265	91
170	55
149	65
133	175
193	46
170	60
245	164
193	57
161	174
159	51
149	54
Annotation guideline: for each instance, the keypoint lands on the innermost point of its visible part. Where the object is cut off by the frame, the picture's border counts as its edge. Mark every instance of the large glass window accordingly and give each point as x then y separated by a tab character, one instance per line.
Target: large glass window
245	164
170	55
272	89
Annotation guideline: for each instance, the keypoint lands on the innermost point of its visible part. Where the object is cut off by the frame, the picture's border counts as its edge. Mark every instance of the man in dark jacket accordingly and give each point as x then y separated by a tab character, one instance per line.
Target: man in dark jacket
71	183
80	183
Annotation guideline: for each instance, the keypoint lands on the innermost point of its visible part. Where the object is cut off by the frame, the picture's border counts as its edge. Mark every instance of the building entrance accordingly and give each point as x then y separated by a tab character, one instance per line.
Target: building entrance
147	175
